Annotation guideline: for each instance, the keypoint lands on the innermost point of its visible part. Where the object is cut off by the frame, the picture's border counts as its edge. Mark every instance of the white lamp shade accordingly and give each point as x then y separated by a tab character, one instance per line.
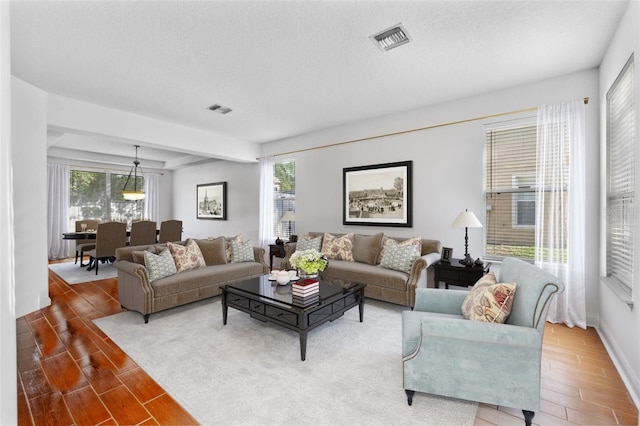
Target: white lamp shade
133	195
466	219
288	217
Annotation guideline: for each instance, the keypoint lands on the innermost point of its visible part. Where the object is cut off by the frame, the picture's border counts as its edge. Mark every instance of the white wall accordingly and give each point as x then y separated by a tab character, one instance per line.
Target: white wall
29	156
8	374
447	165
620	326
243	197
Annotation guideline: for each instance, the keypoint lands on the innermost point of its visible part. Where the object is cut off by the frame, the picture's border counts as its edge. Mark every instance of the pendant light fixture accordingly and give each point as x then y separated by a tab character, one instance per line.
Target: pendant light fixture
134	194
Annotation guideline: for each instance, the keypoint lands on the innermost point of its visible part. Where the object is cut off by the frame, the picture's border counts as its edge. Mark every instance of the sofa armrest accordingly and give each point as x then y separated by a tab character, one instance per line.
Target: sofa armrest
439	301
134	290
258	255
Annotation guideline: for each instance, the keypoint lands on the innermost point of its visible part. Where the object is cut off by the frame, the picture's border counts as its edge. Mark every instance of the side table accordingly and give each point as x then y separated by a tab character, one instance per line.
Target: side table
455	273
276	250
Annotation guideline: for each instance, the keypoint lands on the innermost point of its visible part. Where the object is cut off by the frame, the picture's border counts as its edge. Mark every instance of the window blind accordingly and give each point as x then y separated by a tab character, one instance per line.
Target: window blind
284	197
509	190
621	129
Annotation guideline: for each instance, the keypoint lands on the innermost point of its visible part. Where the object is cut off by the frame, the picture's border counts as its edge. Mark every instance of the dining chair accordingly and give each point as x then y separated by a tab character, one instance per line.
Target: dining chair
83	246
109	237
143	232
170	230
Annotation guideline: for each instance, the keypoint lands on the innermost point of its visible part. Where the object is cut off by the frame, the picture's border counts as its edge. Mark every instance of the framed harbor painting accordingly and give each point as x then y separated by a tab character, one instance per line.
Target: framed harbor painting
378	195
211	201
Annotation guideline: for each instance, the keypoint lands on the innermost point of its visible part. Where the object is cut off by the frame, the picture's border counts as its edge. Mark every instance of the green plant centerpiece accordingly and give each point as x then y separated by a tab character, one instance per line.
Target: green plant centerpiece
308	262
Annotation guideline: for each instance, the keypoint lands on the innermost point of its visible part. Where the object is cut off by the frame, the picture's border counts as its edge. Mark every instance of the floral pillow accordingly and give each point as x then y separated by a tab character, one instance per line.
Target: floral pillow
387	241
159	265
338	248
488	300
186	257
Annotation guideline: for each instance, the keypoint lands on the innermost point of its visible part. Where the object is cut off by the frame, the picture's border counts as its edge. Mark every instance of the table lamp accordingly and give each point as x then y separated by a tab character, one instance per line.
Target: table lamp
290	216
466	219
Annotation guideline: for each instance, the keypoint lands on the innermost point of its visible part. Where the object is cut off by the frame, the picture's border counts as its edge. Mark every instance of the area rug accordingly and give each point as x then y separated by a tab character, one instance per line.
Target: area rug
72	273
250	372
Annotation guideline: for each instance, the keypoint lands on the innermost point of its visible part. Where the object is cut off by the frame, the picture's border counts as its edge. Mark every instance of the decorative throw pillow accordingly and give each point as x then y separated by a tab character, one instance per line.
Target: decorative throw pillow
399	258
228	241
213	250
241	252
338	248
138	255
413	241
159	265
187	256
366	248
308	243
489	301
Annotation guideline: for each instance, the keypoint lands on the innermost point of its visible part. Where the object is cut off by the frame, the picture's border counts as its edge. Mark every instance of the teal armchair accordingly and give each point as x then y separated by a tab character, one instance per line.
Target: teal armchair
446	354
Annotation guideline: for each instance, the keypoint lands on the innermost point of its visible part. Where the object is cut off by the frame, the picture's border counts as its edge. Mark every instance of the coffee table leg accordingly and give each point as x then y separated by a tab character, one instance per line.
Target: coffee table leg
361	305
303	344
224	307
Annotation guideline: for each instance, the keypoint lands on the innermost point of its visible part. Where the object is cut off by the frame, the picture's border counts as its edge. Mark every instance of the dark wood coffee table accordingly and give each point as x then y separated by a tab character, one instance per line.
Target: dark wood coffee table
267	301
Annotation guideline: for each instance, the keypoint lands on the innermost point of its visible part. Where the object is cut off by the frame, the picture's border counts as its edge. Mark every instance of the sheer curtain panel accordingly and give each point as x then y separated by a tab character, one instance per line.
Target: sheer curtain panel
560	207
152	191
266	200
58	209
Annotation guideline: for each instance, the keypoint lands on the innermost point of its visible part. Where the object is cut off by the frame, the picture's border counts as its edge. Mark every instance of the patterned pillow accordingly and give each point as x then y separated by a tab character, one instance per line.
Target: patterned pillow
159	265
338	248
187	256
228	241
241	252
413	241
489	301
399	258
308	243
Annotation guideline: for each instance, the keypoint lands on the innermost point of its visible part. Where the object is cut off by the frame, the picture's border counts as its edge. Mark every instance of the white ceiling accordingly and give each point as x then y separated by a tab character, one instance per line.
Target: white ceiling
290	67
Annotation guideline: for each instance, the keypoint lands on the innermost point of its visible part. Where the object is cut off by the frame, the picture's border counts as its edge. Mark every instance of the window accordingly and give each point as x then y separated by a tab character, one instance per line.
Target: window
284	182
510	190
98	195
621	128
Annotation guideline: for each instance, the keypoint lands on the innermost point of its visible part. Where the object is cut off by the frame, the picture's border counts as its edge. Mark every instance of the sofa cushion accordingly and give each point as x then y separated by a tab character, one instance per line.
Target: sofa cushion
228	241
402	242
308	243
489	301
356	272
367	247
399	258
213	251
159	265
338	248
138	255
241	252
186	257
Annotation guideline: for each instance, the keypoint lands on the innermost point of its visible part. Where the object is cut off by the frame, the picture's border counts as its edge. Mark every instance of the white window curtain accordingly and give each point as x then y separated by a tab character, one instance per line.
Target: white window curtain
265	230
152	196
560	207
58	210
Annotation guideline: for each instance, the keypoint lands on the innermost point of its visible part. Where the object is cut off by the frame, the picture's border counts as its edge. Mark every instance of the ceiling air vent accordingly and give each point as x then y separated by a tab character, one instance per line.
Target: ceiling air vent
391	38
220	109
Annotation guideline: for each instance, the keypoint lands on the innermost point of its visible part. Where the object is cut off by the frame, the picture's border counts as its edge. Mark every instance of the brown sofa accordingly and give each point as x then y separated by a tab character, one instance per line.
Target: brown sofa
136	293
382	284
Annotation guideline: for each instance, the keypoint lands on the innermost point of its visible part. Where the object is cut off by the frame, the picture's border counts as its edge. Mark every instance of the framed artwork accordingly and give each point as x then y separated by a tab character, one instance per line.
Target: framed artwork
211	199
378	195
447	254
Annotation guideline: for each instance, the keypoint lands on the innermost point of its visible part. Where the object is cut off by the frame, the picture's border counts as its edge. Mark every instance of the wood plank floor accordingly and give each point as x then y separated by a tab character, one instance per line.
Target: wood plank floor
70	373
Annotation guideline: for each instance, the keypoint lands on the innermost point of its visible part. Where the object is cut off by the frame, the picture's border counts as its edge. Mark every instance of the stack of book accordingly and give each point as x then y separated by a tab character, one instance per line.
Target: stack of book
305	292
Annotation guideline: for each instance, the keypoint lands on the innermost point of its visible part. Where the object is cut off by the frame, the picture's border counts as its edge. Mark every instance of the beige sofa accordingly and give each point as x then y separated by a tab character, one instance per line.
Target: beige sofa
382	284
136	293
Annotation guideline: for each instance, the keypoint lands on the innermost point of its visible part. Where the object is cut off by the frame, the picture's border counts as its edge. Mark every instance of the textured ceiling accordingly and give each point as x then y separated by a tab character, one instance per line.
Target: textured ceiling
292	67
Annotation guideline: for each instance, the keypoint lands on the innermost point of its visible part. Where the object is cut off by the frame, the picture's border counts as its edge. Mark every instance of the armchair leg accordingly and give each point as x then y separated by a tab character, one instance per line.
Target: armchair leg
410	394
146	318
528	417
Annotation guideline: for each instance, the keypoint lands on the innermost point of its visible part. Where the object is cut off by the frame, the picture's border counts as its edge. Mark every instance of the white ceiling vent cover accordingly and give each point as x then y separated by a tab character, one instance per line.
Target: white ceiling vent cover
391	38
